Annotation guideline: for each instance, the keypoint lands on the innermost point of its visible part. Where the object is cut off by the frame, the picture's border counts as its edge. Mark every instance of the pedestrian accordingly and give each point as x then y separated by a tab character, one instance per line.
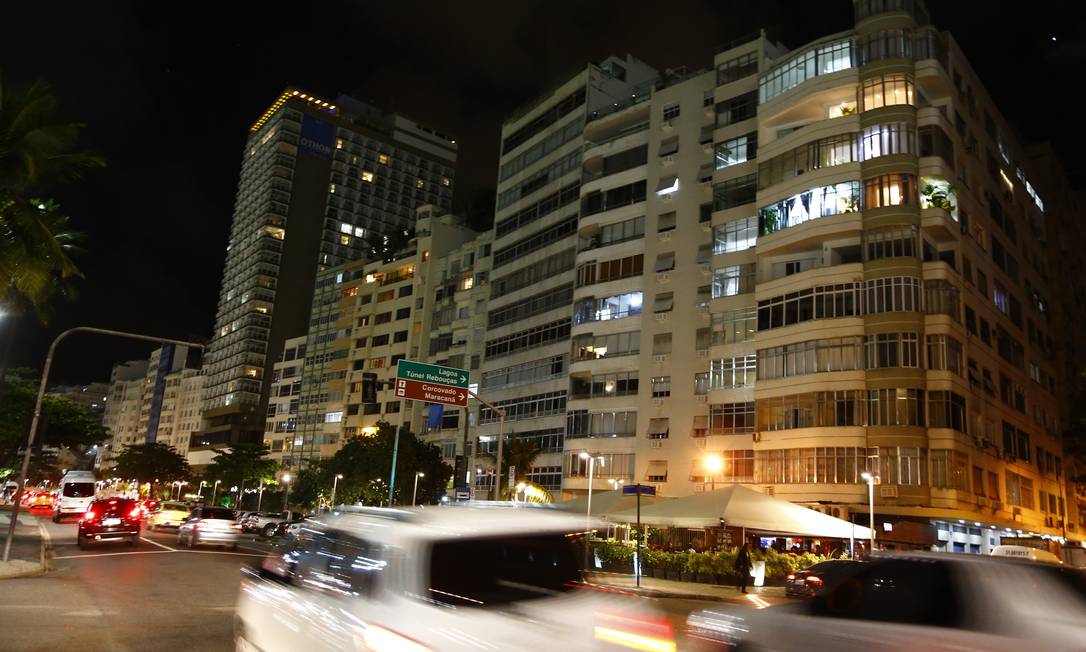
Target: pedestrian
742	567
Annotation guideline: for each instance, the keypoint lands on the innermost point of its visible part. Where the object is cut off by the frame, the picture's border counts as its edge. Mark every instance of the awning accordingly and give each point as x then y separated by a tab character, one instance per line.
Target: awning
740	506
669	146
706	135
705	173
665	262
667	185
657	472
658	428
608	501
664	302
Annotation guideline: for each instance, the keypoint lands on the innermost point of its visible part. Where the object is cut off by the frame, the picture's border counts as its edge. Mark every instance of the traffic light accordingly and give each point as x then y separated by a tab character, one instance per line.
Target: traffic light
369	387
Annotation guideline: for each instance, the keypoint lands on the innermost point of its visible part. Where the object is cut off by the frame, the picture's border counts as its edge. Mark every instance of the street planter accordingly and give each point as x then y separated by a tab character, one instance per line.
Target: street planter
659	573
706	578
687	577
675	576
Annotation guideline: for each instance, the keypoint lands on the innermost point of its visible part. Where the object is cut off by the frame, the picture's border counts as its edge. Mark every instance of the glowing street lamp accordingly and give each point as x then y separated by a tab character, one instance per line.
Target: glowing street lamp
714	464
286	498
335	481
415	492
591	468
215	492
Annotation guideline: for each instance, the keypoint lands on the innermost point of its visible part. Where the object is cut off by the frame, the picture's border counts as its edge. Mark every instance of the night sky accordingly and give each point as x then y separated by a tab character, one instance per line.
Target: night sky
168	90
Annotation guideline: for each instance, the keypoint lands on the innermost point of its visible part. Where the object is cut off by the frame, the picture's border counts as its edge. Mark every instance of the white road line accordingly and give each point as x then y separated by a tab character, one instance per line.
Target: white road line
115	554
219	552
156	543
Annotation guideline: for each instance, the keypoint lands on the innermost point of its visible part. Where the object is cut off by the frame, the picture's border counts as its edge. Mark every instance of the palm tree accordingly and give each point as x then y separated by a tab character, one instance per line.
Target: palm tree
518	453
36	154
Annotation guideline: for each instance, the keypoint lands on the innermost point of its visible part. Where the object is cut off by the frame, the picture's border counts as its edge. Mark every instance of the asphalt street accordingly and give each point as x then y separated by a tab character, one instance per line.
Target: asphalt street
153	596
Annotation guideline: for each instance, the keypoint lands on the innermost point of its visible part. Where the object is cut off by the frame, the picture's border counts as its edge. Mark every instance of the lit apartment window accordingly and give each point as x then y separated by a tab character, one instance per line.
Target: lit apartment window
344	239
332	188
419	183
446	181
339	143
383	159
887	90
367	177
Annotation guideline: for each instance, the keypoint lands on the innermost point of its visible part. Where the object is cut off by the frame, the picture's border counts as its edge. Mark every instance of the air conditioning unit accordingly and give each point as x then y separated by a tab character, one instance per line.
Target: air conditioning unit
700	398
756	436
887	491
664	236
699	443
703	353
656	443
705	268
668	160
663	316
769	491
668	125
657	401
660	357
699	488
663	277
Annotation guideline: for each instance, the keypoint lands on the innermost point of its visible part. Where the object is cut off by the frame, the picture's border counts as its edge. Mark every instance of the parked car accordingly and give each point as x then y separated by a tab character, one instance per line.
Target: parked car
215	525
168	514
112	519
290	529
1026	552
806	583
914	601
461	578
266	523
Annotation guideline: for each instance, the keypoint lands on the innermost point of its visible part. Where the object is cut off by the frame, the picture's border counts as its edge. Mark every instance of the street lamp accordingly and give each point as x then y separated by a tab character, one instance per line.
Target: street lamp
415	492
215	492
286	498
714	464
200	492
335	481
870	480
591	468
260	496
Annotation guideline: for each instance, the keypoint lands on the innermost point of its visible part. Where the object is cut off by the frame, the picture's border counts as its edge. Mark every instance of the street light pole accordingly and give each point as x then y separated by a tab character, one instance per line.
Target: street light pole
871	507
41	397
286	498
215	492
335	481
260	496
415	492
713	464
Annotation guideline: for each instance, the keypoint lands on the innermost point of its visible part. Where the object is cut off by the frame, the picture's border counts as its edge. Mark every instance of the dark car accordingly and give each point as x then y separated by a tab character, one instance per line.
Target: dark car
111	519
806	583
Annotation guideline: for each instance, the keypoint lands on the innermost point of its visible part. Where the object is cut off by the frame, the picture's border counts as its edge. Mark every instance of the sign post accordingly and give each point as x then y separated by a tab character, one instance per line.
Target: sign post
638	489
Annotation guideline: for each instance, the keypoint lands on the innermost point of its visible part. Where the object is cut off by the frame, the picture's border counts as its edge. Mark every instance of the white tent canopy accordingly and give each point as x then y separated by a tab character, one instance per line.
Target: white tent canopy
741	506
605	502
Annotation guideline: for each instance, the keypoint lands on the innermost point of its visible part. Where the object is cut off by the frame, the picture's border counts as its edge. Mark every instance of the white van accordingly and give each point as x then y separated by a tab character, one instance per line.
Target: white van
76	493
1025	552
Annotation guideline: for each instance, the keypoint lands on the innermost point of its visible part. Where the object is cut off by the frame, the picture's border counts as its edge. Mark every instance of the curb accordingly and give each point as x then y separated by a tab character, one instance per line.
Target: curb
42	564
655	593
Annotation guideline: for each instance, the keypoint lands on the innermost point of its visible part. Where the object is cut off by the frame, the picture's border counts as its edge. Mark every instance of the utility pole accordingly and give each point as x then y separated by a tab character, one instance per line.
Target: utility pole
41	397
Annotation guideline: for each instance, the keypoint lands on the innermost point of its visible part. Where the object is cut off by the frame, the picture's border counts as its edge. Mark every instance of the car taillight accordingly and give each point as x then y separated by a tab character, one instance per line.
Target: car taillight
135	513
791	576
89	515
635	632
379	639
236	526
814	579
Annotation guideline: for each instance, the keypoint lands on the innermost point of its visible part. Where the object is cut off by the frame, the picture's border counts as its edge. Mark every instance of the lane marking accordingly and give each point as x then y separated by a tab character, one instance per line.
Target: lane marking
156	543
115	554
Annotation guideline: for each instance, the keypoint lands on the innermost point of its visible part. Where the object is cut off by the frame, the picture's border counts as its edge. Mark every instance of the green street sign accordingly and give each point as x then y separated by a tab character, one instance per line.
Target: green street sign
432	373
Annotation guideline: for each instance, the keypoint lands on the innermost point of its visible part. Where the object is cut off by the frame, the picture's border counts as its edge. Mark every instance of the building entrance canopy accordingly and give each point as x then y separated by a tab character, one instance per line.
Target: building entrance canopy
740	506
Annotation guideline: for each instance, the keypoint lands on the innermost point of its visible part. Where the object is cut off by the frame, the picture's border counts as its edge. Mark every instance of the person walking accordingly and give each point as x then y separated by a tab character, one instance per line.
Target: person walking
743	565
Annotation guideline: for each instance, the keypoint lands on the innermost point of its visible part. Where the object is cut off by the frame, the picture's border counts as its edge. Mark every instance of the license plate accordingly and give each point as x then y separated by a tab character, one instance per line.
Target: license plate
111	521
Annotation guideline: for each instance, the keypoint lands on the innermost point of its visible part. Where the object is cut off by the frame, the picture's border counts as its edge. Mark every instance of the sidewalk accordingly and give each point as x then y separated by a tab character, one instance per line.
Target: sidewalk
27	548
657	588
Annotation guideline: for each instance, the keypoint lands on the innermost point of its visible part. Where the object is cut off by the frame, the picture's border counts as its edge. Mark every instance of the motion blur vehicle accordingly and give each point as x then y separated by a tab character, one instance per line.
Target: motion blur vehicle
450	578
77	491
1025	552
917	601
214	525
168	514
42	500
805	583
290	529
148	506
112	519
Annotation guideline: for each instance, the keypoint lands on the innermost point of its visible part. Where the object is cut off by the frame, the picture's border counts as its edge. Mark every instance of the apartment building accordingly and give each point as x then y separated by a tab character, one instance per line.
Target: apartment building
92	396
427	303
527	350
154	400
800	267
322	183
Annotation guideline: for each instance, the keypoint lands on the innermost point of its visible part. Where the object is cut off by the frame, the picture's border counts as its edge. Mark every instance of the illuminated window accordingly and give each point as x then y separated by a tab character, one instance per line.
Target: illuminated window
382	159
332	188
367	177
344	239
467	283
345	228
887	90
420	184
446	181
339	143
359	232
425	255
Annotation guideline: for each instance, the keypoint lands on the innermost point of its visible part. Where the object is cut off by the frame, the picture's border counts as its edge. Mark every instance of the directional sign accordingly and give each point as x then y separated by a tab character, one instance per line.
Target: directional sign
643	489
432	373
431	392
